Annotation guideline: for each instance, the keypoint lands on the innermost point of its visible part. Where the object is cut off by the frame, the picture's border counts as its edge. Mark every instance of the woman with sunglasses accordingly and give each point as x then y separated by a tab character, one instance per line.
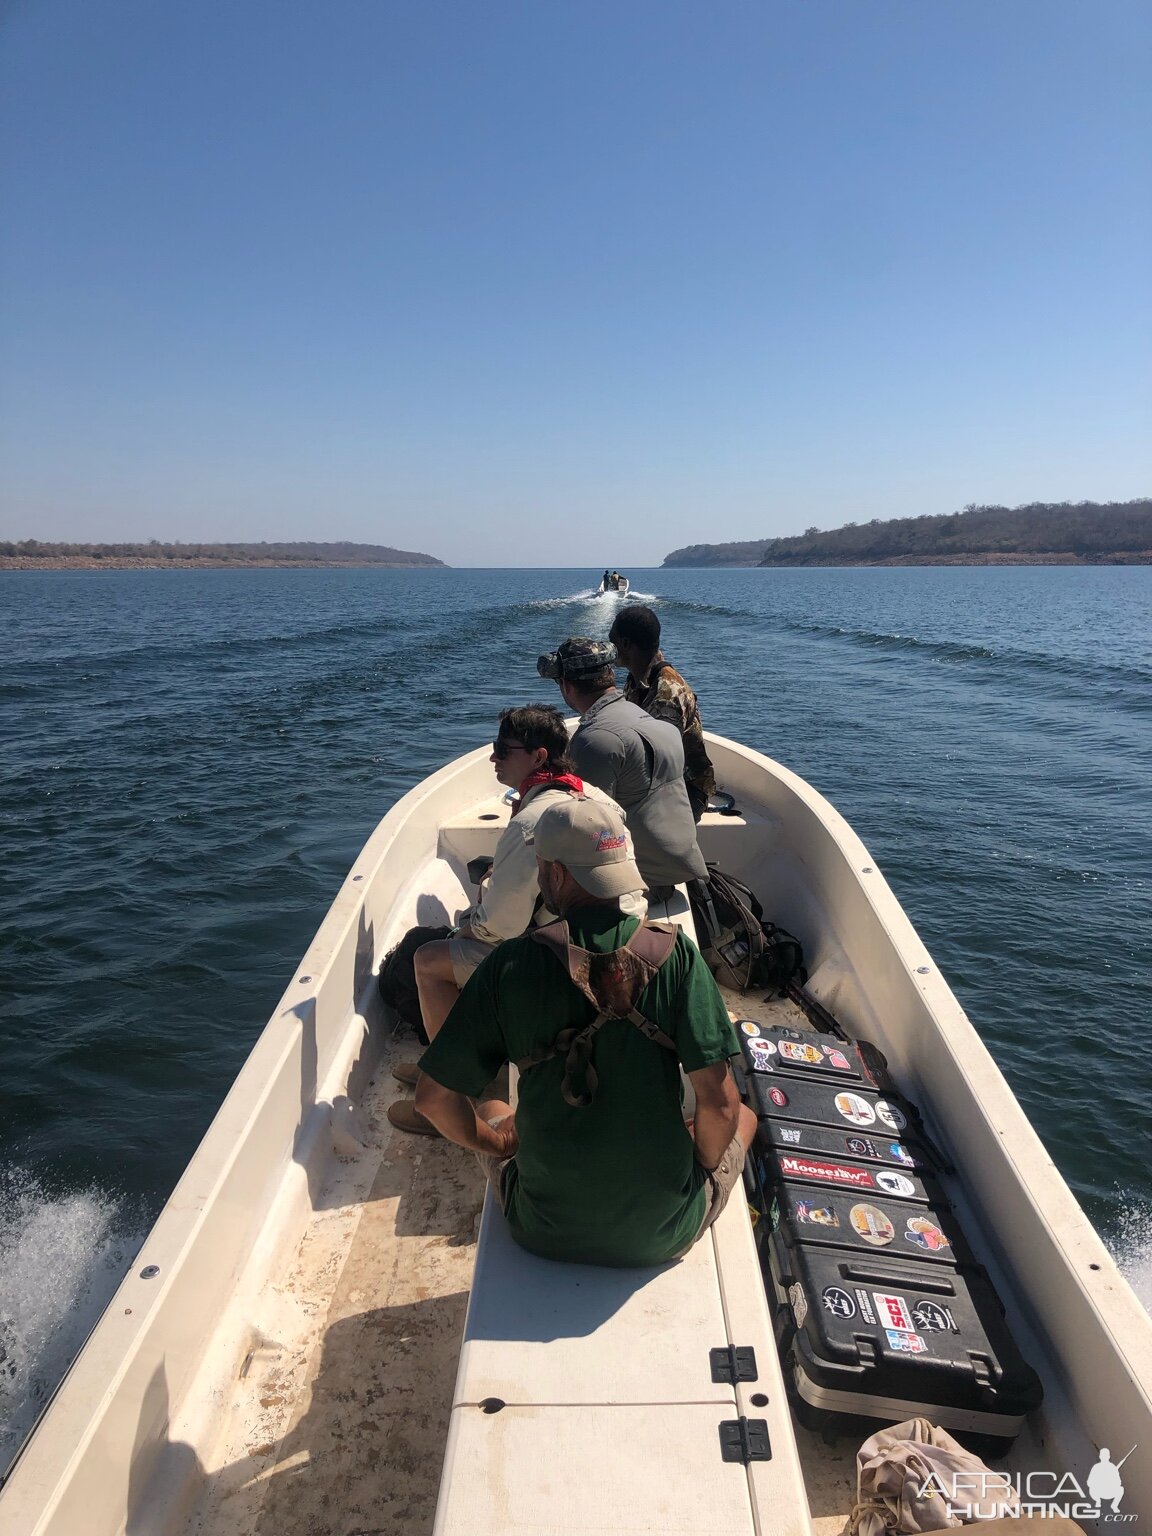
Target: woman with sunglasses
530	754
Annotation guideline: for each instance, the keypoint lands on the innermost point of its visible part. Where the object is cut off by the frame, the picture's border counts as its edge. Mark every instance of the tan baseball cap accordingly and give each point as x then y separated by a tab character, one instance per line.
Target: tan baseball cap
591	841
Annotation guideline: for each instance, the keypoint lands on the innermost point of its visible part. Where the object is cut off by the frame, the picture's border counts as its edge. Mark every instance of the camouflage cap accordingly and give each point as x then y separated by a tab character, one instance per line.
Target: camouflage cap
578	657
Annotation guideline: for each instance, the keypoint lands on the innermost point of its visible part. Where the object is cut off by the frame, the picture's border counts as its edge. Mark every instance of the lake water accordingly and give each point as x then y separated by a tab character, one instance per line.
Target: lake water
190	762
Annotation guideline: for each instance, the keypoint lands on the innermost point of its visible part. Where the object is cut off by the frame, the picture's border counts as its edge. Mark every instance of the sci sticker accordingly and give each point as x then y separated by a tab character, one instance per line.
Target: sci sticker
901	1154
748	1028
925	1234
833	1173
893	1311
895	1183
854	1108
933	1318
907	1343
870	1223
778	1097
808	1054
815	1215
860	1146
838	1302
890	1115
799	1304
790	1136
865	1306
838	1059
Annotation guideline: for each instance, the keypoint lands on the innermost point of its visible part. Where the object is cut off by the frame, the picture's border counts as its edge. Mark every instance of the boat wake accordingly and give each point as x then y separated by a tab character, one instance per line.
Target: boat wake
62	1257
1131	1247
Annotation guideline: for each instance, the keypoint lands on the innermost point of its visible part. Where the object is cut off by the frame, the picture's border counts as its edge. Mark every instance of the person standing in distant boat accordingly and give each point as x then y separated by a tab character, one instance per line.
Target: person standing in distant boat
637	760
655	685
530	755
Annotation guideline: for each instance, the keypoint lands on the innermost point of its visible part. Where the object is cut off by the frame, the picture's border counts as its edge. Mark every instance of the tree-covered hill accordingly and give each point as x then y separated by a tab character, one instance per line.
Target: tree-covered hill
32	552
1063	532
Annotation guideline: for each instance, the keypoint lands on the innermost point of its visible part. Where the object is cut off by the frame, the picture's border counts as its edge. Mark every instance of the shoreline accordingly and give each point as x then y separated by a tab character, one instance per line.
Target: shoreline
142	563
1122	557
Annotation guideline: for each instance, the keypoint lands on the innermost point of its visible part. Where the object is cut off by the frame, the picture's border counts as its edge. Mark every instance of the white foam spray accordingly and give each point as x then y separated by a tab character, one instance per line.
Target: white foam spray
61	1258
1131	1247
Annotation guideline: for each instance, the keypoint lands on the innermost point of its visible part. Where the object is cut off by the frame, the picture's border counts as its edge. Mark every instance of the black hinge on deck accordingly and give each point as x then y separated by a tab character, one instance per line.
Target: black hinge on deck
745	1440
733	1362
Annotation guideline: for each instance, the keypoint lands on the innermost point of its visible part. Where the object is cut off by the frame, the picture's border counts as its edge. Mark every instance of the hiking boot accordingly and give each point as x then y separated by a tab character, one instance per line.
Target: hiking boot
406	1117
406	1072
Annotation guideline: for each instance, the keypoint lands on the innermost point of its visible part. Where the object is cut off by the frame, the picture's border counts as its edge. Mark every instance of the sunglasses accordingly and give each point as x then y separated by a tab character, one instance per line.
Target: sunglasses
502	749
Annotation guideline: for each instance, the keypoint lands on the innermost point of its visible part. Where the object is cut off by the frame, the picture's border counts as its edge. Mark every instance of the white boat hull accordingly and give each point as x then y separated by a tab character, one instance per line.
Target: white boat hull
177	1335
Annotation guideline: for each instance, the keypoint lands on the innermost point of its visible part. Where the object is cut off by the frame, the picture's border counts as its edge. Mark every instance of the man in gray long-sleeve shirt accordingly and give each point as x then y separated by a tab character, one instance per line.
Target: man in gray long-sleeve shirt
637	760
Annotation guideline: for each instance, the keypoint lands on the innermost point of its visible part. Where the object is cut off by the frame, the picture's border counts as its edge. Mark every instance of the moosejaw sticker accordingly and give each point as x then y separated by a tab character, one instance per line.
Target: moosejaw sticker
856	1109
836	1173
893	1311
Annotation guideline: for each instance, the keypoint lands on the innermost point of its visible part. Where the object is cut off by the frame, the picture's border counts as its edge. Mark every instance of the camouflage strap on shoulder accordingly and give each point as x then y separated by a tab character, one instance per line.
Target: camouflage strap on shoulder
612	983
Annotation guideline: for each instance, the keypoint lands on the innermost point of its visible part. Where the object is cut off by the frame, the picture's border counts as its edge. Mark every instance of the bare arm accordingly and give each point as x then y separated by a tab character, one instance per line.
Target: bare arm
456	1119
717	1112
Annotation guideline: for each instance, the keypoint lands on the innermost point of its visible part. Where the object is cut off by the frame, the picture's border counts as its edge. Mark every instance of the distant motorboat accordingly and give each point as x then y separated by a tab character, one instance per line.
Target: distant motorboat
612	581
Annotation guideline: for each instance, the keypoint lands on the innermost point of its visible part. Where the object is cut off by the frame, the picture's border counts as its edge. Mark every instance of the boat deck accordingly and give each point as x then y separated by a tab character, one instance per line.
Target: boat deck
339	1413
339	1420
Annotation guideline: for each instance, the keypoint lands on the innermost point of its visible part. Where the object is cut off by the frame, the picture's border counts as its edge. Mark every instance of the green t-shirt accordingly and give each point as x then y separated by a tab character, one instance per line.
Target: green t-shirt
617	1182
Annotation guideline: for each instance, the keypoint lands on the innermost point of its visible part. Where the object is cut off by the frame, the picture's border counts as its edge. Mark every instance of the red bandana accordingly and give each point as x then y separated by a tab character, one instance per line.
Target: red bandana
542	776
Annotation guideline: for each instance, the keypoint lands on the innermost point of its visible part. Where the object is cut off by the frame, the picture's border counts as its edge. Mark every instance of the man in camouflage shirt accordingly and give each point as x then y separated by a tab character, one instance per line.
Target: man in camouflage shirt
656	686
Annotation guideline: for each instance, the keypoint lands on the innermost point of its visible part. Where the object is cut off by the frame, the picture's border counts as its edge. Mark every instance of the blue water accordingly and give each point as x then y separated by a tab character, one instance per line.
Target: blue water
190	761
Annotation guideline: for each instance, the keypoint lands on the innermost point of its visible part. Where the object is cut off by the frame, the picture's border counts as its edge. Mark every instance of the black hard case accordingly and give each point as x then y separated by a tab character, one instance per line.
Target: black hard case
886	1338
869	1224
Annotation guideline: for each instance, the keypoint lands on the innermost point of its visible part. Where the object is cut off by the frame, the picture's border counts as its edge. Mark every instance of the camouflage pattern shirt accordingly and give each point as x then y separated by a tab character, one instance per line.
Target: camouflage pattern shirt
664	695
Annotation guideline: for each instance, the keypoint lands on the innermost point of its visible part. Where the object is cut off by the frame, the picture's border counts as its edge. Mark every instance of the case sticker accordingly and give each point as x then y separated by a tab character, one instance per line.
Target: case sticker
901	1154
933	1318
838	1059
860	1146
836	1173
865	1306
808	1054
908	1343
789	1135
895	1183
761	1053
925	1234
812	1214
778	1097
838	1302
774	1214
870	1223
893	1118
856	1109
799	1304
748	1028
893	1311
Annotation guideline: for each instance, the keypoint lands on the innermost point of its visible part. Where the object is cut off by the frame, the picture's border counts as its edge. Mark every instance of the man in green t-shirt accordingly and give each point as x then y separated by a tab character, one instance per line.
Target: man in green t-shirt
622	1180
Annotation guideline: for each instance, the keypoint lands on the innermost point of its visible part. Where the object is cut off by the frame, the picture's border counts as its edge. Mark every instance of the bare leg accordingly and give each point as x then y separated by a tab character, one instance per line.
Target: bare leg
436	984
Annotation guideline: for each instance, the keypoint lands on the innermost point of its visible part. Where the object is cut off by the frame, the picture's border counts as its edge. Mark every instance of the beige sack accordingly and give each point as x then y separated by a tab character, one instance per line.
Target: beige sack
894	1465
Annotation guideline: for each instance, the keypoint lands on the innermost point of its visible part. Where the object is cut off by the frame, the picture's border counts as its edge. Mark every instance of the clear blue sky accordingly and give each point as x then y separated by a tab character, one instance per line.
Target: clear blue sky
547	283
